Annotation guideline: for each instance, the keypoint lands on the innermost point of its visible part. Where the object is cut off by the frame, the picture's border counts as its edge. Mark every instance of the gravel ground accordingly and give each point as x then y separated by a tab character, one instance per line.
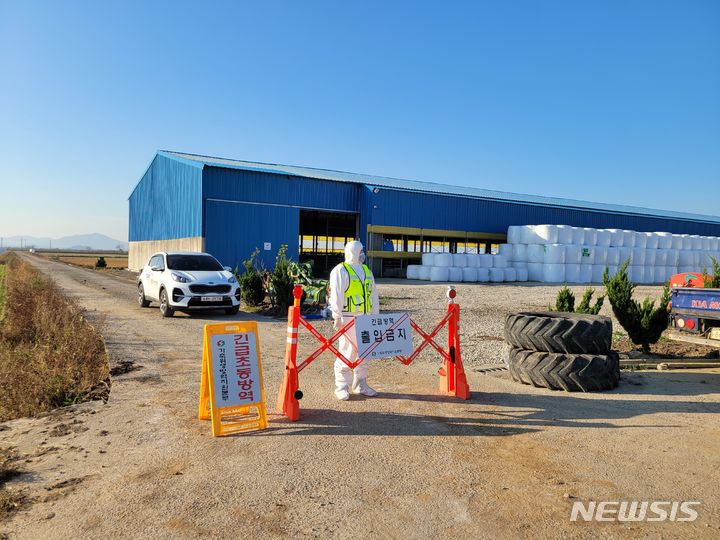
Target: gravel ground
509	462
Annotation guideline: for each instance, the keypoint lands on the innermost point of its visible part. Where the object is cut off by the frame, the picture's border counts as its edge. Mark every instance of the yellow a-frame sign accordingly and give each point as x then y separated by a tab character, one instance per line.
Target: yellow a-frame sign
231	384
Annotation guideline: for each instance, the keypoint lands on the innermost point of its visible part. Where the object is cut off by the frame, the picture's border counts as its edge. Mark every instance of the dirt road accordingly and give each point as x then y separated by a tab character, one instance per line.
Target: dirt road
508	463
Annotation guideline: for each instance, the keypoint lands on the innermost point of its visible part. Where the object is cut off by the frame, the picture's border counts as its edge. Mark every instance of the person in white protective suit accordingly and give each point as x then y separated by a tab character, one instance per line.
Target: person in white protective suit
352	292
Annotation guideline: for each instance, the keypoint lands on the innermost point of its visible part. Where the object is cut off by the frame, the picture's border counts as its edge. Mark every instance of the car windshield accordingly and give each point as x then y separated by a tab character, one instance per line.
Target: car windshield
199	263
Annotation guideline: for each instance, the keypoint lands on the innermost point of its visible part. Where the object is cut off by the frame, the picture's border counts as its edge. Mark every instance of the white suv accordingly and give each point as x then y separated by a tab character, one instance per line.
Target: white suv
186	282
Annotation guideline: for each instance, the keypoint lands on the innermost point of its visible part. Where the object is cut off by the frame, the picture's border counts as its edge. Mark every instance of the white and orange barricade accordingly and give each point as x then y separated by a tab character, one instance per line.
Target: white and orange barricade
452	382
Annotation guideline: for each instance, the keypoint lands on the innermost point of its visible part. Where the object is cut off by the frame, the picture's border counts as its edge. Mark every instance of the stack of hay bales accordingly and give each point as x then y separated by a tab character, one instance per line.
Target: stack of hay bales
468	267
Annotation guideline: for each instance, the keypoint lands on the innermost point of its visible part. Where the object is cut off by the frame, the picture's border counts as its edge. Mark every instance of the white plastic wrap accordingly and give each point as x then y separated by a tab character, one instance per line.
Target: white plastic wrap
586	271
648	275
455	274
687	242
443	259
519	264
612	270
428	259
536	253
497	274
677	241
535	271
597	273
613	256
509	274
652	240
625	254
483	275
565	234
578	236
650	257
659	274
640	240
554	254
705	243
514	234
636	274
521	274
661	257
459	260
529	236
572	272
413	271
469	275
500	261
687	258
573	253
485	260
587	256
629	238
714	243
664	240
616	237
696	242
590	236
439	273
548	233
506	250
519	252
638	256
601	254
673	258
473	260
686	269
424	272
553	273
604	238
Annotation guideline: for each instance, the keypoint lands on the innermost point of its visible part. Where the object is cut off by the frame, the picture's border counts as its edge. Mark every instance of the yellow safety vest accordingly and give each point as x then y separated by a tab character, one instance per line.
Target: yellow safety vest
358	295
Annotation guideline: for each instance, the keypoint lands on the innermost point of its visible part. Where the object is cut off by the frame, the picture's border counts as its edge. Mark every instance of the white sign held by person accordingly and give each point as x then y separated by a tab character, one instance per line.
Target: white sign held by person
383	336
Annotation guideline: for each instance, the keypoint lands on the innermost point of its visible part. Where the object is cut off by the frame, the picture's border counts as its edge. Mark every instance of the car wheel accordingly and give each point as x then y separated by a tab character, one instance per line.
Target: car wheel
165	309
232	311
142	301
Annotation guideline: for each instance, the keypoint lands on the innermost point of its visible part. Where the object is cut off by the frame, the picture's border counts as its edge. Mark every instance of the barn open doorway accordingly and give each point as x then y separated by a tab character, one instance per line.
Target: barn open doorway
323	236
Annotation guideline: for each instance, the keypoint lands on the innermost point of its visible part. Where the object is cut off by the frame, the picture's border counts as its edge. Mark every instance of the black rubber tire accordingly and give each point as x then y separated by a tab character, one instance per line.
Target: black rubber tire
573	333
561	371
142	301
232	311
165	309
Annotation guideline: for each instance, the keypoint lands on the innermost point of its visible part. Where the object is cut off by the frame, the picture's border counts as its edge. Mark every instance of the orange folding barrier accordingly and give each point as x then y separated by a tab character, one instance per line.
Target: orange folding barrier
452	380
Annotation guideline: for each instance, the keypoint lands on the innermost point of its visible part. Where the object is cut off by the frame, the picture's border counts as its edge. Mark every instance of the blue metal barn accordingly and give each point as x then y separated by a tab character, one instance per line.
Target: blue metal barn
229	208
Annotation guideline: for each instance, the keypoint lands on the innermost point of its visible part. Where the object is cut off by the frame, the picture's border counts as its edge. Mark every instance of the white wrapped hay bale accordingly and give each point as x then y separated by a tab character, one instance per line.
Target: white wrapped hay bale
612	270
443	260
590	236
648	275
578	236
638	256
535	271
714	243
687	259
659	273
604	238
509	274
650	257
572	272
705	243
601	255
485	260
696	242
469	275
586	273
428	259
519	264
565	234
628	238
553	273
514	234
455	274
521	274
625	254
500	261
459	260
597	273
554	254
497	275
587	256
677	241
616	237
529	235
439	273
536	253
573	253
687	242
519	252
506	250
613	256
483	275
652	241
640	240
547	233
664	240
424	272
413	271
673	257
661	257
636	274
473	260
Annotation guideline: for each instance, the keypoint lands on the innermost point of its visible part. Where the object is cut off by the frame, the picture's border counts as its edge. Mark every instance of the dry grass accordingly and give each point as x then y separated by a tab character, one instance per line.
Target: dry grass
89	262
50	355
10	501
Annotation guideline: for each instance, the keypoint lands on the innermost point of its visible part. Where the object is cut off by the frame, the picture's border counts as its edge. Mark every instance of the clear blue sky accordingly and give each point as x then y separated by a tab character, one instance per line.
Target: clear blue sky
613	101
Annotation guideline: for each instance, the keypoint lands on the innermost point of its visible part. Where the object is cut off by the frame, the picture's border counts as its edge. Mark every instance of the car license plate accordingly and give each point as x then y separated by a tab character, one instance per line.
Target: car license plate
211	299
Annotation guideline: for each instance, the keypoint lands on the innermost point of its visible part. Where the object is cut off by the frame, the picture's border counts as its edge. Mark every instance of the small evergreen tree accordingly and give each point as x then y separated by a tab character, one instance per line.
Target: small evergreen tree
251	282
565	300
100	263
281	282
644	322
585	301
712	281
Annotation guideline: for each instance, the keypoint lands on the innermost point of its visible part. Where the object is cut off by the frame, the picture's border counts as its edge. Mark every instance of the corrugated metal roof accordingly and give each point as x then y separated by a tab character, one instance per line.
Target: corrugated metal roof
412	185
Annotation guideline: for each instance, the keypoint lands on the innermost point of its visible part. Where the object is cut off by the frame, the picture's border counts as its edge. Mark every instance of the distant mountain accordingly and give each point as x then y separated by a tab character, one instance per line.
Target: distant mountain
78	242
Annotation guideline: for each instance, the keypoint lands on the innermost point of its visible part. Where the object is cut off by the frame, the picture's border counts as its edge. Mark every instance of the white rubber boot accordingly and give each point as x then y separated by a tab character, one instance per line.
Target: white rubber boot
360	385
343	380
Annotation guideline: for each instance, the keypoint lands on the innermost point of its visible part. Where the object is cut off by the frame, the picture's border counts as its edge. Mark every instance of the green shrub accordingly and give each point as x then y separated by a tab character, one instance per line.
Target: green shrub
101	263
565	301
585	301
644	322
280	281
712	282
252	289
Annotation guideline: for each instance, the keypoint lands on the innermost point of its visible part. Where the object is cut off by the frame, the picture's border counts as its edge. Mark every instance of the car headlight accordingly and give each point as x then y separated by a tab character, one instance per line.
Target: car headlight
232	279
179	278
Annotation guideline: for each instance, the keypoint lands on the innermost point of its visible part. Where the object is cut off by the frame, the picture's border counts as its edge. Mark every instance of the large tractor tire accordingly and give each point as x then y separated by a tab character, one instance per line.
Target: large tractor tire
572	333
569	372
